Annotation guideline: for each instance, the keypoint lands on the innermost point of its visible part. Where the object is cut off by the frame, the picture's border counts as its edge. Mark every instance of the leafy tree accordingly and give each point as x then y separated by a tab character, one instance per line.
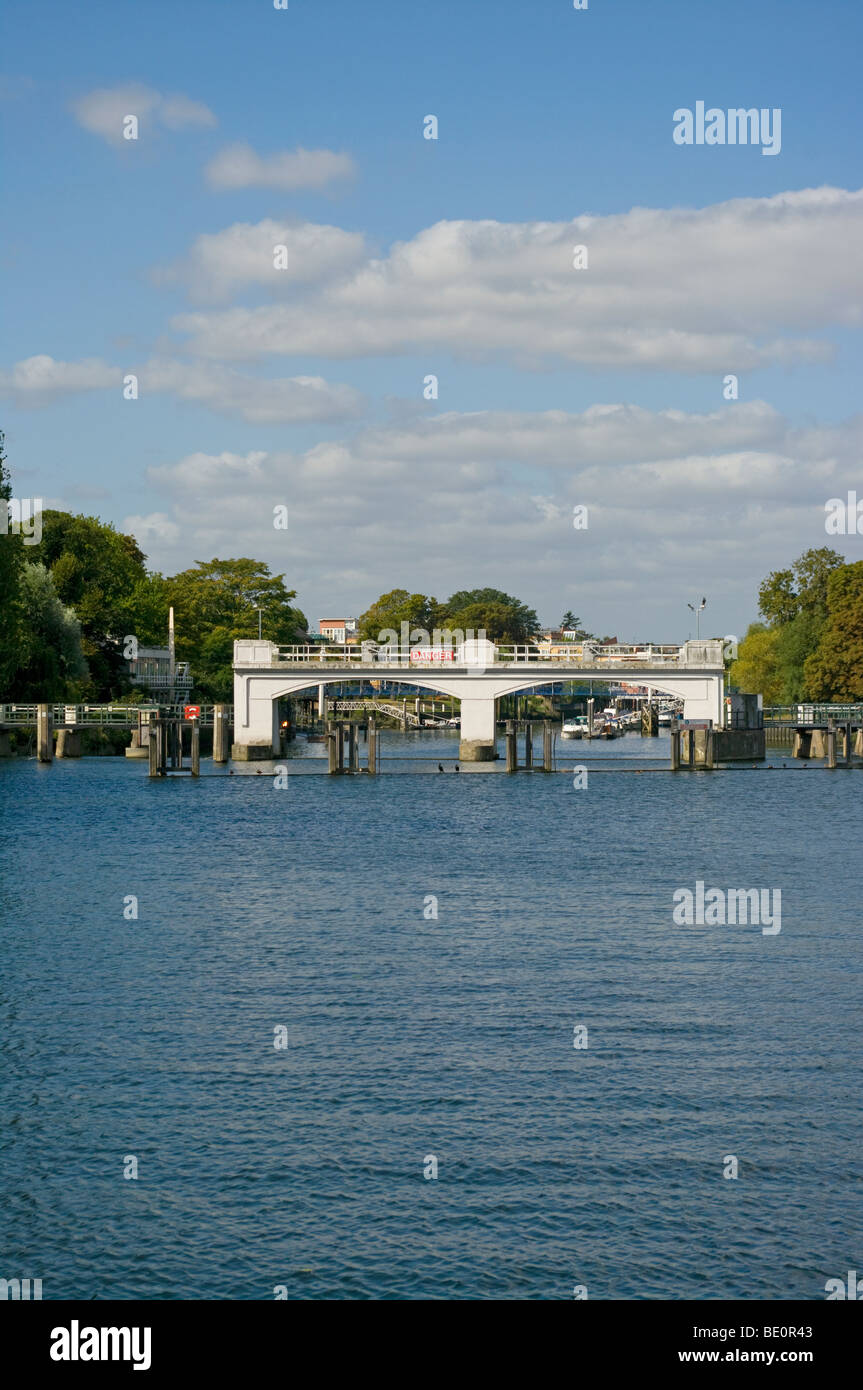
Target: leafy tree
785	594
95	570
758	668
51	661
504	618
11	563
834	671
397	607
214	605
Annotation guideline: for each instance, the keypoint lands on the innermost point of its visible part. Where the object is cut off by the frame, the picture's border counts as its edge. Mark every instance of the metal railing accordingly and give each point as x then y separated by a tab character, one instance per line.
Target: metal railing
95	716
812	714
583	656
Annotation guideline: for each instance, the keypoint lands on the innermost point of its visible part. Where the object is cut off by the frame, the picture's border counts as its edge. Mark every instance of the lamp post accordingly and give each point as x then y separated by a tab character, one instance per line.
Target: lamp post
697	609
260	613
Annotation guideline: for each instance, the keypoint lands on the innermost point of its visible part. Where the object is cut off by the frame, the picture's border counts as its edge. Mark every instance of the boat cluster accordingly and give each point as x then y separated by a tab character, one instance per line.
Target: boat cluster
613	722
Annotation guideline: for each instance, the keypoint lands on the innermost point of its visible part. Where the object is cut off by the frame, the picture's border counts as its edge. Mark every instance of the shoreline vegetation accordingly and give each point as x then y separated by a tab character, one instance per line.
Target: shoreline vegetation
70	601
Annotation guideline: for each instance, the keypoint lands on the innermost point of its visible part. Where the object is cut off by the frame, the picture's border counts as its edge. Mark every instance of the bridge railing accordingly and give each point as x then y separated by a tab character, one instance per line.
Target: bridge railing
583	656
95	716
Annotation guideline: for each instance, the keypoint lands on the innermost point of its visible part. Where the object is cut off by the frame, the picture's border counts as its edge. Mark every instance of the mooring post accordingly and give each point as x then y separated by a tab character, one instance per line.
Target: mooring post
221	733
675	750
831	747
196	748
157	748
649	721
372	741
846	741
546	745
332	748
528	744
511	748
353	748
708	748
45	733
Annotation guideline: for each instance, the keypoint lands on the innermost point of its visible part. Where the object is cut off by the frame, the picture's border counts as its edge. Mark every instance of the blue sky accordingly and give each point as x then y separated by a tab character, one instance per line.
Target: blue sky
545	114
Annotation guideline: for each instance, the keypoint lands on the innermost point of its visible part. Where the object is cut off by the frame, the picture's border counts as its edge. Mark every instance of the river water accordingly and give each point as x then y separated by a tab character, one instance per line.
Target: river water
309	906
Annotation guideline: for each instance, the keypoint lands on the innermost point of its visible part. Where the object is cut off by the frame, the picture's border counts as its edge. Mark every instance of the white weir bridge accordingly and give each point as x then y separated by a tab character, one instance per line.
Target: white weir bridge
477	673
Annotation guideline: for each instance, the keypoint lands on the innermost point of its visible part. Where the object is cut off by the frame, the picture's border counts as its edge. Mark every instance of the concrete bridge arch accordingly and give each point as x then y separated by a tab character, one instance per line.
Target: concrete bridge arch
262	677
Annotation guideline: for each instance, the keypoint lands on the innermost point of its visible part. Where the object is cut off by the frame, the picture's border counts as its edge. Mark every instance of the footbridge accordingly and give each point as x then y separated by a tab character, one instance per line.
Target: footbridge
477	673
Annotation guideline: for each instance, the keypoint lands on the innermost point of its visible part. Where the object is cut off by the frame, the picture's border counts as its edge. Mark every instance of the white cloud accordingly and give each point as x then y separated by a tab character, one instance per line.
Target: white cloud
103	111
155	527
723	289
38	381
690	501
239	166
242	256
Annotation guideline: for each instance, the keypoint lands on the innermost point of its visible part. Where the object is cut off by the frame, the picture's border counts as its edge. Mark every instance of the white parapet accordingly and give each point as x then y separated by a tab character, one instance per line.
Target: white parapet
255	653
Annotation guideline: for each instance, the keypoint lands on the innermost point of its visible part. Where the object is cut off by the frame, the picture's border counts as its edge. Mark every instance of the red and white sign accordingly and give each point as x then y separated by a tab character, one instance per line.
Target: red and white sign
191	711
431	656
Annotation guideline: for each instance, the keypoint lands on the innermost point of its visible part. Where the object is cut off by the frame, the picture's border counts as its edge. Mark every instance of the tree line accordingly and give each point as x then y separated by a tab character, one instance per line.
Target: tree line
808	645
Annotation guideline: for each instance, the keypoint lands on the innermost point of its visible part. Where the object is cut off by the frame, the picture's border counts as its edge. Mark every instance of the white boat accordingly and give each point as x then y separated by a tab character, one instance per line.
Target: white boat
575	728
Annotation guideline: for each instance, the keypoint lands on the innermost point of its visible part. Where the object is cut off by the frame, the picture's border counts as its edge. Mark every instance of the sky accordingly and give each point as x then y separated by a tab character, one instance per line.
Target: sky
305	384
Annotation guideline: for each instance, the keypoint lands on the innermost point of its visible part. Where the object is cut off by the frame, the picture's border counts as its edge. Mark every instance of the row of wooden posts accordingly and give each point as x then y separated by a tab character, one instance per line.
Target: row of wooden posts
511	739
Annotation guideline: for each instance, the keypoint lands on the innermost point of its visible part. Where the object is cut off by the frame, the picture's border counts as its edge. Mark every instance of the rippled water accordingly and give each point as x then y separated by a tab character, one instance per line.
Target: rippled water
411	1037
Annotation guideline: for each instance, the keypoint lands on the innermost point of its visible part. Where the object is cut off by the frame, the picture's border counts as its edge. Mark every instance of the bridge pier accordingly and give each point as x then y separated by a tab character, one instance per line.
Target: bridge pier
477	742
68	743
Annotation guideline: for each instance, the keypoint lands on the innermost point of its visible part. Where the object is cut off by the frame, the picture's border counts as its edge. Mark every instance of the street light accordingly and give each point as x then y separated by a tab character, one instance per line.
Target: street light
260	613
697	611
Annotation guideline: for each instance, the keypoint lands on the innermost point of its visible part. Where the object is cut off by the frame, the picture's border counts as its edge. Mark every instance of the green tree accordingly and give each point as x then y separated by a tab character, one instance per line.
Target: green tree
95	570
214	606
834	671
504	618
51	660
11	564
394	608
758	668
802	588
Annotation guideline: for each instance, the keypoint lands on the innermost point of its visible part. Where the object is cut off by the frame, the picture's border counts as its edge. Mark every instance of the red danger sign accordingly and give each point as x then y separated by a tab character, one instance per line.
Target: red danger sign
191	711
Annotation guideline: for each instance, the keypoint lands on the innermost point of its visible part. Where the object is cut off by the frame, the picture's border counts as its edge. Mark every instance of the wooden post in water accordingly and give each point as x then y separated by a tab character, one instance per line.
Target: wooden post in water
690	734
846	742
196	748
528	744
709	748
372	739
221	733
332	748
831	747
511	748
546	746
353	748
45	733
157	748
675	750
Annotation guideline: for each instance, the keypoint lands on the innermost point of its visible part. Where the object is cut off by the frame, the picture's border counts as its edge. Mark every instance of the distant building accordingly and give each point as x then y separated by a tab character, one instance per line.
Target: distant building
338	630
156	670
